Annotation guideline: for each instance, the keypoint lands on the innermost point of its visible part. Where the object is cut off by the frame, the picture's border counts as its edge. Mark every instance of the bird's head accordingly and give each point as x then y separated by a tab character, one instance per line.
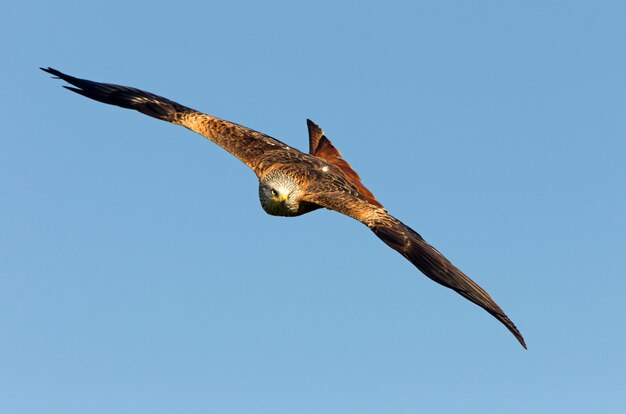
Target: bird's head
279	194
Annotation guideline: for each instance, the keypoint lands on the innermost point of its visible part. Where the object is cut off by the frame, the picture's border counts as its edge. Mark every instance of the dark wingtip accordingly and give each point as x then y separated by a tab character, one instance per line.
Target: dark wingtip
52	71
519	337
501	316
59	75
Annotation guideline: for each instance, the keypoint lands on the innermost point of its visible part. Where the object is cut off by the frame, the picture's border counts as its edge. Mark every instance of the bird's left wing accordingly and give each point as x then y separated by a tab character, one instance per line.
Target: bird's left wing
244	143
414	248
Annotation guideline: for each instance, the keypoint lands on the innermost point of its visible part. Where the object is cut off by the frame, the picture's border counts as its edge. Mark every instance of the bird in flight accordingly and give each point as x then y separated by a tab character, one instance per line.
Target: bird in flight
292	182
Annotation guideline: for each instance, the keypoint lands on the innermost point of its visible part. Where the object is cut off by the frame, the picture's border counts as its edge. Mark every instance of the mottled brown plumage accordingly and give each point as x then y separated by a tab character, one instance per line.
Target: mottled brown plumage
292	182
320	146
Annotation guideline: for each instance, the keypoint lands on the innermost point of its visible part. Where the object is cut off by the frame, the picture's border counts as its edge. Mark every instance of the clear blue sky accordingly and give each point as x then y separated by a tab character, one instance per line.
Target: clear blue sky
138	272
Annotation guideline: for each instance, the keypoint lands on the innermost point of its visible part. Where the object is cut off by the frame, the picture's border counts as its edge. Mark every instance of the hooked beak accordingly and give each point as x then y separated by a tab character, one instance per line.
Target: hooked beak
281	199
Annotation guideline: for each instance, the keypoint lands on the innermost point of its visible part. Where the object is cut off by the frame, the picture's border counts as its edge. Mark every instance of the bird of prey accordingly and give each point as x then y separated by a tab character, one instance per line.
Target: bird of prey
292	182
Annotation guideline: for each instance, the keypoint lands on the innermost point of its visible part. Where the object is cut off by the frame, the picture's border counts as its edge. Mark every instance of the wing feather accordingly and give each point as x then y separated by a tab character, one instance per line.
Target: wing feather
244	143
415	249
435	266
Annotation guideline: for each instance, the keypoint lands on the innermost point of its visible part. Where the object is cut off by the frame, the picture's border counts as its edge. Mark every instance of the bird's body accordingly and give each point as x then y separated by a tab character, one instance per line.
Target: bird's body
292	183
309	175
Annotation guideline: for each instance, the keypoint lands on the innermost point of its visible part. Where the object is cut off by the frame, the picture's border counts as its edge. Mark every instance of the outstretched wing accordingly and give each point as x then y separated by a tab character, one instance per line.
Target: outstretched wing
244	143
415	249
433	264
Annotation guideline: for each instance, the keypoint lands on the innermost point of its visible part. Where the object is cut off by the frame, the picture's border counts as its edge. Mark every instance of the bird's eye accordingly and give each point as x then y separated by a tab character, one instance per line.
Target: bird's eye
274	193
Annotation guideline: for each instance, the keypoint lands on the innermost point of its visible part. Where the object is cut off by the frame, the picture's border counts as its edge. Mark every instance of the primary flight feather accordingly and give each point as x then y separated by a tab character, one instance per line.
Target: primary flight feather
292	183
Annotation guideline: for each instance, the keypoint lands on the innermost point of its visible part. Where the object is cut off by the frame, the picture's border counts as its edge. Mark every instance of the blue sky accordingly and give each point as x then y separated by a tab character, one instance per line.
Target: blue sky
138	272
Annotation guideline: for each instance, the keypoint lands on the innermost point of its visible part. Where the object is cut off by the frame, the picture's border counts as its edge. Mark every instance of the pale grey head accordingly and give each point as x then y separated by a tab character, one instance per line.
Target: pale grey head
280	194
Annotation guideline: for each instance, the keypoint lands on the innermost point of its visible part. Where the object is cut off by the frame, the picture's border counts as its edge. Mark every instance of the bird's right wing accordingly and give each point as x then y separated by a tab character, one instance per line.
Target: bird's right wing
415	249
244	143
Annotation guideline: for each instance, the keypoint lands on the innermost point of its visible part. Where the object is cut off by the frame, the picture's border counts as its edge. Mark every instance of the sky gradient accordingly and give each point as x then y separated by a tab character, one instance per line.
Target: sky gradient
138	272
